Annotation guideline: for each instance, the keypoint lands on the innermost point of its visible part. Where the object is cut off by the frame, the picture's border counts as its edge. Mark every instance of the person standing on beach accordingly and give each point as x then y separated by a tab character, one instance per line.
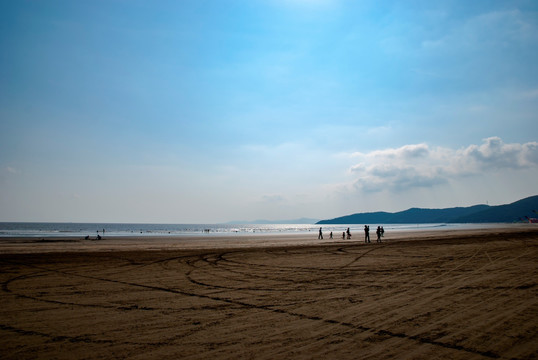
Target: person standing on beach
348	234
378	233
320	236
366	234
331	235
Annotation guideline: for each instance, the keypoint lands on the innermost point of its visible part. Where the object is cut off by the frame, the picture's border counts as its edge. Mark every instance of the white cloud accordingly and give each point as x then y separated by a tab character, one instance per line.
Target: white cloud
495	154
421	166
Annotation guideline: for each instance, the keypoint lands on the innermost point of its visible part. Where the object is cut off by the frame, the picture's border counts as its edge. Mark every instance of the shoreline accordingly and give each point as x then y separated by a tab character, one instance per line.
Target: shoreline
81	230
52	244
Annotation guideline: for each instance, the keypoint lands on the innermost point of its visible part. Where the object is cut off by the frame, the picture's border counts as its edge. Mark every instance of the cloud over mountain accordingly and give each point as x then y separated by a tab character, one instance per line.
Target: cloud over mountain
419	165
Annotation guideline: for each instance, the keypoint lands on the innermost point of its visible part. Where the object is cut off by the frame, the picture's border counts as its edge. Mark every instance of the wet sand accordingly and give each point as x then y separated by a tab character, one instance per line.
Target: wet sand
430	295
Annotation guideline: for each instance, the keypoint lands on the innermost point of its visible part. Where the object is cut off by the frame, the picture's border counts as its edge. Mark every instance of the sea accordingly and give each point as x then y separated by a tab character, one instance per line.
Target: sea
56	229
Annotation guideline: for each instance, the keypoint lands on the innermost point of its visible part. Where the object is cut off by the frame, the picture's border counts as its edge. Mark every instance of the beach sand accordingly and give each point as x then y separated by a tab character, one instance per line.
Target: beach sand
430	295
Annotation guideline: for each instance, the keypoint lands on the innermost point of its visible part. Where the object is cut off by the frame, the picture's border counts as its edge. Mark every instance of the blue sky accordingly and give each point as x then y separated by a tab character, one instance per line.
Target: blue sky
212	111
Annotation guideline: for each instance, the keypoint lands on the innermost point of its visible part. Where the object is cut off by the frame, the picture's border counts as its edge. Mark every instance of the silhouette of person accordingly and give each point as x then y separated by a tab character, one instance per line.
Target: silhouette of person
366	234
343	235
378	233
331	235
320	236
348	234
382	232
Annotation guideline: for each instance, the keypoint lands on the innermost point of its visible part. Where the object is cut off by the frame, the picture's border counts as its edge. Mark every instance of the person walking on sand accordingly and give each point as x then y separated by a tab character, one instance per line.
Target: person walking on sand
343	235
348	234
331	235
378	233
366	234
320	236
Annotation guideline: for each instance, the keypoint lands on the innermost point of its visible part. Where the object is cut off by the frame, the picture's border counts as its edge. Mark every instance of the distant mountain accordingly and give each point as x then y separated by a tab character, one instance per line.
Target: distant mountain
503	213
473	214
294	221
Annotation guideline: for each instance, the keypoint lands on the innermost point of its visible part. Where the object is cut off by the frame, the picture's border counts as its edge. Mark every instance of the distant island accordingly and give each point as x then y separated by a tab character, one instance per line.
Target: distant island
267	222
517	211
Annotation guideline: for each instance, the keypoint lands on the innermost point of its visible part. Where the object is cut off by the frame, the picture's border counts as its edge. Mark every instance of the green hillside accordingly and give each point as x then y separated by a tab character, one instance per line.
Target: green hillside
473	214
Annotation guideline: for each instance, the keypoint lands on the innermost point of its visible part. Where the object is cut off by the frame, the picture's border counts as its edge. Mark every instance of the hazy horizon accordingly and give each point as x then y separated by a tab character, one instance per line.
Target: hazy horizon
208	112
290	221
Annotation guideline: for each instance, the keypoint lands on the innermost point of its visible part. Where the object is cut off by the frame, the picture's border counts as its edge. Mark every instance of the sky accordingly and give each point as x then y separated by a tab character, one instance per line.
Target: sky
216	111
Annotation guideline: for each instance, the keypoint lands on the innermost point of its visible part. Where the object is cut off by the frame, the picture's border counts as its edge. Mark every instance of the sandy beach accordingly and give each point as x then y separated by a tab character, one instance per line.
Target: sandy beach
461	294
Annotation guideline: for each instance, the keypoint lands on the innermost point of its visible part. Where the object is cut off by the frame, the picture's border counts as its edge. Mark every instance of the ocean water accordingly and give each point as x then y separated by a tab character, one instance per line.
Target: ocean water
29	229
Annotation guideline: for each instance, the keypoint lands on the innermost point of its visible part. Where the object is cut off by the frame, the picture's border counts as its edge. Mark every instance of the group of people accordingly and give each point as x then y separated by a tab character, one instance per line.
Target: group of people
379	232
87	237
347	234
344	234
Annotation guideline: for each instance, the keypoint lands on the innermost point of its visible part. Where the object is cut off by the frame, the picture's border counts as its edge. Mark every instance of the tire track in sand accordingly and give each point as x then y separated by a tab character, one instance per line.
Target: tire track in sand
269	308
